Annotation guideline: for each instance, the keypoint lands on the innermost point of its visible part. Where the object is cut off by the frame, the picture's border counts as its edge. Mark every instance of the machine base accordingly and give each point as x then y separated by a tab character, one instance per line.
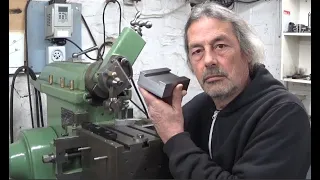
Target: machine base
134	153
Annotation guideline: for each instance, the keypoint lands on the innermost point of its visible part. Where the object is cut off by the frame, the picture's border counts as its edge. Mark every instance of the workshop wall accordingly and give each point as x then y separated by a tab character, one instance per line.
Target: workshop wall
164	46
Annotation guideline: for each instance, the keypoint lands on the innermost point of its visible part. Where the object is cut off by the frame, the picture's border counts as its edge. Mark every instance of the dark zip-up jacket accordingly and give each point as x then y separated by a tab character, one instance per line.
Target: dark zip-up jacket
264	133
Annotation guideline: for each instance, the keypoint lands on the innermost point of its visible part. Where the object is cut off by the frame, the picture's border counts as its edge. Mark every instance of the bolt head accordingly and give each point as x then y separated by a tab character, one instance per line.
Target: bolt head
140	136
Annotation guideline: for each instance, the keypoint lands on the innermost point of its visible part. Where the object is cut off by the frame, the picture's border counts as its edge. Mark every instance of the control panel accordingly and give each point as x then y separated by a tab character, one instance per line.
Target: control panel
59	21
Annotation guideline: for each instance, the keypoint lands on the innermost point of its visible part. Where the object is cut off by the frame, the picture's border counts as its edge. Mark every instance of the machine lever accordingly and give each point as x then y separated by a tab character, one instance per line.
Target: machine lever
75	55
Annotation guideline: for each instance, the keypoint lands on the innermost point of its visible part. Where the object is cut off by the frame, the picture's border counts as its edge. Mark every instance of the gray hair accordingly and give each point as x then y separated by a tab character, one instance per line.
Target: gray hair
250	44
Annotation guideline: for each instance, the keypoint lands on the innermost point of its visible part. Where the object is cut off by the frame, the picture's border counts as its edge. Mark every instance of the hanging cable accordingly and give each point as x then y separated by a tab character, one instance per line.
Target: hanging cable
103	22
40	122
136	89
27	70
29	73
88	29
20	69
27	59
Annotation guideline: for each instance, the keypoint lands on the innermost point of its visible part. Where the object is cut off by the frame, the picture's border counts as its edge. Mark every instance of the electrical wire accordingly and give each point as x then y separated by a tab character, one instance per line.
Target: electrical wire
30	72
20	69
104	25
120	16
27	59
37	95
145	113
88	29
136	89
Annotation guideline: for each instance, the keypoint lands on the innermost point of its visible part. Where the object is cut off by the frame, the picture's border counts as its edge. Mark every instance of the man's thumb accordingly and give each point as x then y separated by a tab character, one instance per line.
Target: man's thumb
177	96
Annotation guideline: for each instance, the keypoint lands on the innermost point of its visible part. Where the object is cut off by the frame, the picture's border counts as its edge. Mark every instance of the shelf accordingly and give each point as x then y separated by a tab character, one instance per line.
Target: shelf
298	34
303	81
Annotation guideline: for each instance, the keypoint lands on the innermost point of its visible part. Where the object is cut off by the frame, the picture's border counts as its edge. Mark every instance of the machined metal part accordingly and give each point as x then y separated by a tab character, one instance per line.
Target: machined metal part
91	84
136	153
99	130
69	117
115	84
62	145
112	80
161	82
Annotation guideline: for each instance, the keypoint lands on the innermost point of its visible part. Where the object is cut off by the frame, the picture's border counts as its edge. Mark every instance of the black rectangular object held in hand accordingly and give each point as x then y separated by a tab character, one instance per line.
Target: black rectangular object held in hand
161	83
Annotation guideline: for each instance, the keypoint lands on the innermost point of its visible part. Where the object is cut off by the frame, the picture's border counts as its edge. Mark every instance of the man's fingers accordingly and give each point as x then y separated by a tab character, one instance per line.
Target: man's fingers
177	96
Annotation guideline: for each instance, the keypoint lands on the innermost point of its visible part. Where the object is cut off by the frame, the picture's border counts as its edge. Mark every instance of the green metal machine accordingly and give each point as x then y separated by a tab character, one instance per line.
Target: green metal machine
84	137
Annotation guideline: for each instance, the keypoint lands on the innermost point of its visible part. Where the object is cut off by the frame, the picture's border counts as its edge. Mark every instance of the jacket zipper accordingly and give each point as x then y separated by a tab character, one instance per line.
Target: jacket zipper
214	118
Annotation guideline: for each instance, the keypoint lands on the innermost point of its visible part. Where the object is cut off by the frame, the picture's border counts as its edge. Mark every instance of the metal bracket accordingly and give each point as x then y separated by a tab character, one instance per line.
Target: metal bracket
62	145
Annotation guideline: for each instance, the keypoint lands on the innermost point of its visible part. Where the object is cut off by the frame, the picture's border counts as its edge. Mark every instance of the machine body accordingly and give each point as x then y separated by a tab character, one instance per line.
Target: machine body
82	139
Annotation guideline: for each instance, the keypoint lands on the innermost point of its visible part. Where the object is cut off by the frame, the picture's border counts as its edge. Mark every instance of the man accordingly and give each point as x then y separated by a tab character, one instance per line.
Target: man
245	124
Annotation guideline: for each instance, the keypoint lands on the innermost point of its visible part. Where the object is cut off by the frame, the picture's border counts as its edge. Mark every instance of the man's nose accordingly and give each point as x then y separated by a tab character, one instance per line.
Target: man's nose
210	58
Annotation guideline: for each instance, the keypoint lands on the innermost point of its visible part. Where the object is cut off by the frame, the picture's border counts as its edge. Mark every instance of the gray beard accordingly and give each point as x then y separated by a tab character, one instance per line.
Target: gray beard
220	93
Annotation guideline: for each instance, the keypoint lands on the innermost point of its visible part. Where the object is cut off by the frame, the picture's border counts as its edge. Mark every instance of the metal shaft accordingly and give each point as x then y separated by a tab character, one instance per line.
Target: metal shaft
75	55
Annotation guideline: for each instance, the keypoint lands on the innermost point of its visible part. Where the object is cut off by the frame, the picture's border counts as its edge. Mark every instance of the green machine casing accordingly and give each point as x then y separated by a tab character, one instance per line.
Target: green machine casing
64	84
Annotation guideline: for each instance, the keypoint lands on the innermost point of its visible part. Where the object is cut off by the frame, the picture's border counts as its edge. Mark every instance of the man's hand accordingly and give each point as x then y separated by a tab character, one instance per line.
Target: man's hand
167	119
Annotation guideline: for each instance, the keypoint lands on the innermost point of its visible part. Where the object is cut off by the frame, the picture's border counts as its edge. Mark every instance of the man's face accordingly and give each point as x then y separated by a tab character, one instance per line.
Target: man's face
216	58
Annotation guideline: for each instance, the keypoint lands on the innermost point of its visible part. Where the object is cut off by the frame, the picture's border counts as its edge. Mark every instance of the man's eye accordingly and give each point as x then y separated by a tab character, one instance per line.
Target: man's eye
196	52
220	46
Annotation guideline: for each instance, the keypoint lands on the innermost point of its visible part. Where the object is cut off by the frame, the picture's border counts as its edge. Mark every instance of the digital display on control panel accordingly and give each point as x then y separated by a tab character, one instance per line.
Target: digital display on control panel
63	14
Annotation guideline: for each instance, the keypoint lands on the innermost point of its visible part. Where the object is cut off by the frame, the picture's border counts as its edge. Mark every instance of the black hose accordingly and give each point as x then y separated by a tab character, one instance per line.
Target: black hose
99	54
103	23
120	16
37	108
38	98
145	113
27	61
41	111
88	29
37	95
20	69
104	26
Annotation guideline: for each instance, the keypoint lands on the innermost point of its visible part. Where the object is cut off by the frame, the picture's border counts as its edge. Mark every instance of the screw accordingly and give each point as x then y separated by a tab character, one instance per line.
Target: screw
140	136
71	84
48	158
62	82
50	79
